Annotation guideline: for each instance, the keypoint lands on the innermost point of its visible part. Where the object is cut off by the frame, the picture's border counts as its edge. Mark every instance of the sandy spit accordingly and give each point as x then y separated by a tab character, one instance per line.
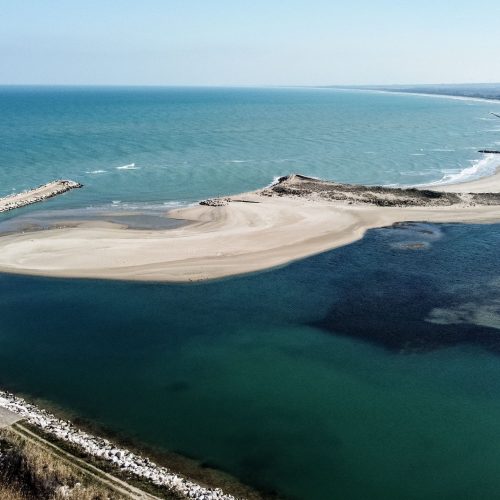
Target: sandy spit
242	234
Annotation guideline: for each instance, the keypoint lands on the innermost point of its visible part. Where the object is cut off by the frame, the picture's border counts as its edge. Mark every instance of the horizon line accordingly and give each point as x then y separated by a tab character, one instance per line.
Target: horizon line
260	85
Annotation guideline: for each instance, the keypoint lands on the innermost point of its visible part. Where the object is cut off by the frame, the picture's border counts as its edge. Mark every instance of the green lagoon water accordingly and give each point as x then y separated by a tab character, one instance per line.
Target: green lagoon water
238	374
371	371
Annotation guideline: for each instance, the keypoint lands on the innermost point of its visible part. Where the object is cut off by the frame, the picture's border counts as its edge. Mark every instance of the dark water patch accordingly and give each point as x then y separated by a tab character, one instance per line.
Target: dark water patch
393	304
396	320
178	386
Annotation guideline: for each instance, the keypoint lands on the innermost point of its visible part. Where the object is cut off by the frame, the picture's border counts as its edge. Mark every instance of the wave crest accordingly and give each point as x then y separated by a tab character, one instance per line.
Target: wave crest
483	167
130	166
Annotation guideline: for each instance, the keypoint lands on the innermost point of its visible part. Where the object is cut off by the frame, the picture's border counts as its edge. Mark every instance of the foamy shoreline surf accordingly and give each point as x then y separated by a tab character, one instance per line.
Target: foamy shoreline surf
417	94
482	168
242	233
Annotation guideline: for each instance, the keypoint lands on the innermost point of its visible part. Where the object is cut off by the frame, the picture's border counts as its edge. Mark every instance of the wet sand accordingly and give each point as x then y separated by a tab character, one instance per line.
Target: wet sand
58	219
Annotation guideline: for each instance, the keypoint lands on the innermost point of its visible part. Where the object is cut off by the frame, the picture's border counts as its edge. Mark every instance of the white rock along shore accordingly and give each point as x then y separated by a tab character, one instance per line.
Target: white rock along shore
102	448
40	193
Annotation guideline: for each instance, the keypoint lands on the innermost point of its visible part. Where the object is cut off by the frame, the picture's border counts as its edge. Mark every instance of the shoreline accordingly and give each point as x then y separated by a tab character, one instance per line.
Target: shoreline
244	233
126	460
456	97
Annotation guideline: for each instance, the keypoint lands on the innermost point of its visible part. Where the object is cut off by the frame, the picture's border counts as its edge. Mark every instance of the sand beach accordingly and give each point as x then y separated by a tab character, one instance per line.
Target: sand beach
295	218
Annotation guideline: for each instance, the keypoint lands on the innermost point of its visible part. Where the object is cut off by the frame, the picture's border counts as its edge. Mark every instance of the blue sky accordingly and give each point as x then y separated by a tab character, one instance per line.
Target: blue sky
221	42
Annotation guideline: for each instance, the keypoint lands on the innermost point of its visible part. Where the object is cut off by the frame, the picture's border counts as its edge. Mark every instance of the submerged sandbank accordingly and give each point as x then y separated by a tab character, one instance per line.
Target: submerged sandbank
295	218
41	220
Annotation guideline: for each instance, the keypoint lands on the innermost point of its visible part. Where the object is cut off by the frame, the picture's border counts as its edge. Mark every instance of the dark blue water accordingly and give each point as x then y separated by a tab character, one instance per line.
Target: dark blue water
371	371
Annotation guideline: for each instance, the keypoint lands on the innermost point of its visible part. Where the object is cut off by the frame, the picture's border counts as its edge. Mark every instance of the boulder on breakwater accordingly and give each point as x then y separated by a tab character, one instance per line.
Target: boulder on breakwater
40	193
215	202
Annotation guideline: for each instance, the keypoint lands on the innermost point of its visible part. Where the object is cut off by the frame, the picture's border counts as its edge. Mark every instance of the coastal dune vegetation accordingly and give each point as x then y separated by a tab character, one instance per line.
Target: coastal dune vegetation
30	472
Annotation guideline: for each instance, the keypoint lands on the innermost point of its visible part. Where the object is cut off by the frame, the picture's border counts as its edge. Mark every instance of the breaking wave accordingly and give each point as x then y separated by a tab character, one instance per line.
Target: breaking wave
130	166
480	168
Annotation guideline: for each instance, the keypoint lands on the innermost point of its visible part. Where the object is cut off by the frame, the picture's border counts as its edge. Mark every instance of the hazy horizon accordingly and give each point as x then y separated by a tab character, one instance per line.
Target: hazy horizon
368	86
193	43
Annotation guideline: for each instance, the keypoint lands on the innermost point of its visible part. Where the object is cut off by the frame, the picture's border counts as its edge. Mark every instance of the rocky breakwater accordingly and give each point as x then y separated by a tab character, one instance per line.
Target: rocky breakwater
40	193
215	202
101	448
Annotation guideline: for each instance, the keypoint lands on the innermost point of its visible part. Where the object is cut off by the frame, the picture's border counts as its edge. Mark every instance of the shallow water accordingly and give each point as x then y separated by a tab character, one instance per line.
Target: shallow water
339	376
37	220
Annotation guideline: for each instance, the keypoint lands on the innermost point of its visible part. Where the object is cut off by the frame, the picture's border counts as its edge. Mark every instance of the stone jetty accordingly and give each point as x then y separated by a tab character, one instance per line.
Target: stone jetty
122	458
40	193
215	202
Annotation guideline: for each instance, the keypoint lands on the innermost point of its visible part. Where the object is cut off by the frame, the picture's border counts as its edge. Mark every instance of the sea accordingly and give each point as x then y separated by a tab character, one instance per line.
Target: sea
369	371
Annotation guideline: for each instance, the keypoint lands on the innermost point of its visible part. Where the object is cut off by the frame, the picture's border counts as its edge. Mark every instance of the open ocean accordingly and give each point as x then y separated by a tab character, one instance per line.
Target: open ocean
156	146
370	371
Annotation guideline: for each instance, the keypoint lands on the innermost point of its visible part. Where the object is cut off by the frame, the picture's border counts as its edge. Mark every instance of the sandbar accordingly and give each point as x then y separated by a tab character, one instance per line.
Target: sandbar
296	218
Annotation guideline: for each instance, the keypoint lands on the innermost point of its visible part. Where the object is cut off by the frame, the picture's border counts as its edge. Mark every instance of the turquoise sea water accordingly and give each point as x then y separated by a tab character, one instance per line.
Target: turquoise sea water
188	144
371	371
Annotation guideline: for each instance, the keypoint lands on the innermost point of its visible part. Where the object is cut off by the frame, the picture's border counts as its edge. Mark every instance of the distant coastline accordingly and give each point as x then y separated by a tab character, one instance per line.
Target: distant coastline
482	92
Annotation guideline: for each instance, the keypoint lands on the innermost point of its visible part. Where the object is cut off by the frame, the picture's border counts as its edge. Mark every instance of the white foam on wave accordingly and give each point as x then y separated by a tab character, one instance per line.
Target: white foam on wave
275	180
125	206
96	171
130	166
480	168
423	173
146	206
